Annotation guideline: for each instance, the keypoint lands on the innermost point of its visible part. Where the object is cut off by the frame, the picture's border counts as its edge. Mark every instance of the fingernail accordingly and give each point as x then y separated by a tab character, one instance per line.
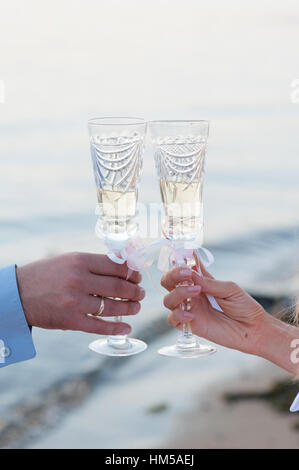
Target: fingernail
189	315
136	308
194	289
142	292
185	272
126	331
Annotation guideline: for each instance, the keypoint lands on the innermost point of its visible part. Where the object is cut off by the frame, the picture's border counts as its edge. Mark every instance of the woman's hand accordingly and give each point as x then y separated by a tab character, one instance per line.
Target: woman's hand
58	293
243	324
239	326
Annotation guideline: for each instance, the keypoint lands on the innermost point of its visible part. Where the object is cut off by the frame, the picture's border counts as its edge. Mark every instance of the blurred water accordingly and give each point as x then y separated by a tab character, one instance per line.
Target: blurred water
230	63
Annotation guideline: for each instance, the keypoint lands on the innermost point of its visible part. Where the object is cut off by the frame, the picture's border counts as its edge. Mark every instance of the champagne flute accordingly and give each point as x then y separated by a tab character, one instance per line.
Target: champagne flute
180	148
117	146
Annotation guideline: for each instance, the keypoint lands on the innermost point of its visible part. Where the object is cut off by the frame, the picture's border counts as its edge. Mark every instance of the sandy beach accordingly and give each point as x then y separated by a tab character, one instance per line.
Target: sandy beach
149	401
254	424
185	408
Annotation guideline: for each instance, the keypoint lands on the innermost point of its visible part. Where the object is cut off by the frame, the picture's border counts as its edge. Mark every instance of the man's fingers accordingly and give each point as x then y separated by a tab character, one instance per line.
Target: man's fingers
101	264
108	286
91	304
98	326
178	295
176	275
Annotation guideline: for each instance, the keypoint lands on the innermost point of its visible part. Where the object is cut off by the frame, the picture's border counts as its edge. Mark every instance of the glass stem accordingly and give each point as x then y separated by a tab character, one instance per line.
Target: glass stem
186	338
186	330
118	341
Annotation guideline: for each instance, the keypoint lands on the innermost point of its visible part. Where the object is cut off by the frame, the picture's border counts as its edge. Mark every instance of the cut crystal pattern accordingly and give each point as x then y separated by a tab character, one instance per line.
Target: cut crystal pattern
117	165
180	162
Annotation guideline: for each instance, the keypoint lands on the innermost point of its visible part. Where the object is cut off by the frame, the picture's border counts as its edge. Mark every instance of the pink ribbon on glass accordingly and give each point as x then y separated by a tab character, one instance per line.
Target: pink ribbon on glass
173	252
133	252
140	257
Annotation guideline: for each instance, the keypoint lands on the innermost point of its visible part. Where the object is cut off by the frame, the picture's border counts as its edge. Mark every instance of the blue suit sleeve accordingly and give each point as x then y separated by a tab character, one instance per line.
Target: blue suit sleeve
16	343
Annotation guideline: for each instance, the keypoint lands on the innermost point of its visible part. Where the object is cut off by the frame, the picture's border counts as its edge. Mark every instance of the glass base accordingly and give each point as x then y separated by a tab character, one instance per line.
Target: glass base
112	346
199	350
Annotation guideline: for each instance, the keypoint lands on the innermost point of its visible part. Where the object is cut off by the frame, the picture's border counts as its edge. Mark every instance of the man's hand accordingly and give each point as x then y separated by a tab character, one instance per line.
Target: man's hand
58	293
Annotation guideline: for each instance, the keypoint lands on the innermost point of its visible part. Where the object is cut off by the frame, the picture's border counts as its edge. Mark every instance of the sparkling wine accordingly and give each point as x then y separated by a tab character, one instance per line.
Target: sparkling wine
179	155
117	209
183	208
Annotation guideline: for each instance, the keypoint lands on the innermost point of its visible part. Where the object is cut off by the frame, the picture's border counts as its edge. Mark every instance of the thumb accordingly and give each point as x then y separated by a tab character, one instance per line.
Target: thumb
219	289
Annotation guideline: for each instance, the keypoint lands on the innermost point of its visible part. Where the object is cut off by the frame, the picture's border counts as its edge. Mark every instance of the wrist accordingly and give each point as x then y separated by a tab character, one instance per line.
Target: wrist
21	283
279	343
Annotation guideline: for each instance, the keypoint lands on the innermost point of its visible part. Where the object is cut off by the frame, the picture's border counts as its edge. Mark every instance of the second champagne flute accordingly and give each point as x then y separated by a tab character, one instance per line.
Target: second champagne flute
180	148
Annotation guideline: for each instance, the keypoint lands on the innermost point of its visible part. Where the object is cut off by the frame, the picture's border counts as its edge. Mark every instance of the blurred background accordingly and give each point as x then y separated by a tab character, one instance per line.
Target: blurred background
66	61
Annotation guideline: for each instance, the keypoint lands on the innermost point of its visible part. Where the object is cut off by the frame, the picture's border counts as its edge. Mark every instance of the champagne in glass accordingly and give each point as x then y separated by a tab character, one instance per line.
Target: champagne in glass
180	148
182	206
117	149
116	208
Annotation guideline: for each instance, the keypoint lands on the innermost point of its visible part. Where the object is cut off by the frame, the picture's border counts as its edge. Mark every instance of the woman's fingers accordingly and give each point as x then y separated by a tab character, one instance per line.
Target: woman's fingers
101	327
182	274
108	286
203	270
219	289
209	285
91	304
179	316
178	295
176	275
